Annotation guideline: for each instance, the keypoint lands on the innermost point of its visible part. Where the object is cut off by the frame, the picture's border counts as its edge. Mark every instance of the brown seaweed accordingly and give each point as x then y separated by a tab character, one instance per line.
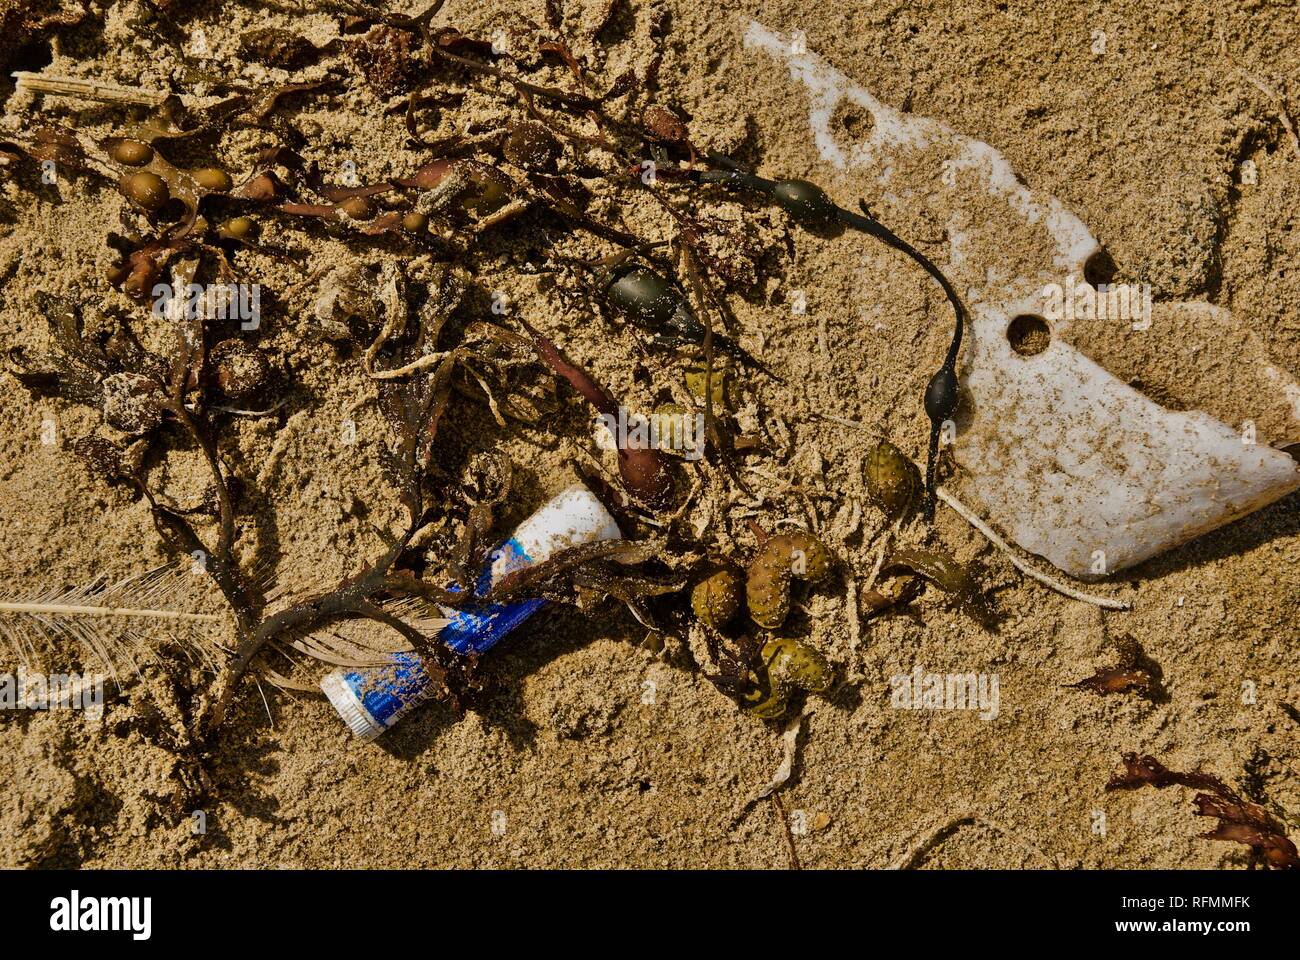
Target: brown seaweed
1240	821
946	574
643	469
1133	672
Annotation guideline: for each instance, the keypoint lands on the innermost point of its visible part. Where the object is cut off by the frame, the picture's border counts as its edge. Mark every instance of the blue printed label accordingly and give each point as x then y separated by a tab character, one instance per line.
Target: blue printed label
388	692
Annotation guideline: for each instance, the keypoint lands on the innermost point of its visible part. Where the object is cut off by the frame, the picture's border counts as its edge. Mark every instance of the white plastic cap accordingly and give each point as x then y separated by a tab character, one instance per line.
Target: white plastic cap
573	516
349	706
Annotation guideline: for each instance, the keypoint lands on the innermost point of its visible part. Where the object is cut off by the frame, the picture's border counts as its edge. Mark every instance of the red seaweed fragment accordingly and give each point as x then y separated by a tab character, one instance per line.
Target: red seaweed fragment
1240	821
1132	673
1139	770
643	469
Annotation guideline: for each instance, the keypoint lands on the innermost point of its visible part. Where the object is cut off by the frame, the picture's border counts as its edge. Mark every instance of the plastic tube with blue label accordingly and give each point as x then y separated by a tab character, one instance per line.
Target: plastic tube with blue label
372	700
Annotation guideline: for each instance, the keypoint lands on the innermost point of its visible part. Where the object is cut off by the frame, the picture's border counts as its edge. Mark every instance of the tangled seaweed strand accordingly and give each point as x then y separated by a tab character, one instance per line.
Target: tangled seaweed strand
809	203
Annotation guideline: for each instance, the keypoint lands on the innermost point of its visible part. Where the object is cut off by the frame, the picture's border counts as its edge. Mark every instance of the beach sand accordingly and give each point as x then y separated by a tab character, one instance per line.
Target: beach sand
593	748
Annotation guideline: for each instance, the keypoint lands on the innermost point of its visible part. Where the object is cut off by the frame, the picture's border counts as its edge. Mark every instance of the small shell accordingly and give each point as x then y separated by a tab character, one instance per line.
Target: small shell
716	598
277	48
892	480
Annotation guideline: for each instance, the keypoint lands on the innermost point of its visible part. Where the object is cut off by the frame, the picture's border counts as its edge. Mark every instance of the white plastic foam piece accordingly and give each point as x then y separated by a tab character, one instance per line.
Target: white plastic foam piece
1069	461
